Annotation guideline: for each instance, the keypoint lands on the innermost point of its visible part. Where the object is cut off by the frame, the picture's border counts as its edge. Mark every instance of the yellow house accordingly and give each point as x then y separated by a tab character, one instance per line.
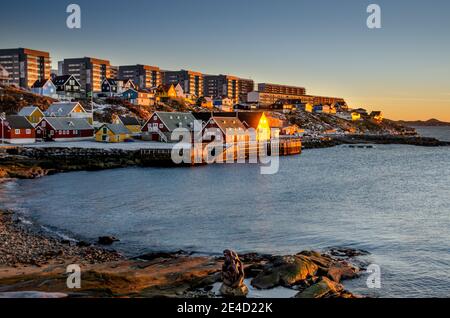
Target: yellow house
377	116
32	113
131	123
112	133
166	91
356	116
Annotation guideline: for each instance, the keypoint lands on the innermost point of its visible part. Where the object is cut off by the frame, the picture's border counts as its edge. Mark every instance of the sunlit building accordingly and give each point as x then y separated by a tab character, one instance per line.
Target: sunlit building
25	66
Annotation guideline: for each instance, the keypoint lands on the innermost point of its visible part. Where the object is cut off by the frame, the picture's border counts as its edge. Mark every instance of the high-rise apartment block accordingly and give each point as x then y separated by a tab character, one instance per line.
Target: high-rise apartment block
191	82
25	66
145	76
90	72
221	86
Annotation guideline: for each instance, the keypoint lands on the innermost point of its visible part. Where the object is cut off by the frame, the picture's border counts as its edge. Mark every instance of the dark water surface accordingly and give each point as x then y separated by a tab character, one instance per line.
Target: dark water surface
391	200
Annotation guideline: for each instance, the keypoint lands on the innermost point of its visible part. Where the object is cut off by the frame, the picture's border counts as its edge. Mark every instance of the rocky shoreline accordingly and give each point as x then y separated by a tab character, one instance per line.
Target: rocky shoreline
34	264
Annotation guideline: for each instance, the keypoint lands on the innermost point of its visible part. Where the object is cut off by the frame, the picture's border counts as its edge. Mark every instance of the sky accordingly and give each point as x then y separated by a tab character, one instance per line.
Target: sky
402	69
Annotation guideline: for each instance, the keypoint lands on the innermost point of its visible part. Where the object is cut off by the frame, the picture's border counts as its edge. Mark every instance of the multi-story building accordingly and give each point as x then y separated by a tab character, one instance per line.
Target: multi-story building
114	73
281	89
245	86
144	76
4	76
191	82
90	72
266	99
25	66
221	86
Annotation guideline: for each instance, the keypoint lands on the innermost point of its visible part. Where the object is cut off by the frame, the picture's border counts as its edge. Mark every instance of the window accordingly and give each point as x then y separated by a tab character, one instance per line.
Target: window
105	130
60	132
17	131
28	132
161	126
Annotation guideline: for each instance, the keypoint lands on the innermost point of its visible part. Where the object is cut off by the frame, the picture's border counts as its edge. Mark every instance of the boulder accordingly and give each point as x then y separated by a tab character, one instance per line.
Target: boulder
241	291
286	271
107	240
341	270
322	289
233	276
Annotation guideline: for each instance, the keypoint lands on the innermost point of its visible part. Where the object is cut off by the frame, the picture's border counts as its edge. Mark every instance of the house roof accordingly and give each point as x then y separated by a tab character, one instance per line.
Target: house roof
111	81
206	116
18	122
176	120
61	109
225	123
39	84
68	123
129	121
117	129
250	119
29	110
61	80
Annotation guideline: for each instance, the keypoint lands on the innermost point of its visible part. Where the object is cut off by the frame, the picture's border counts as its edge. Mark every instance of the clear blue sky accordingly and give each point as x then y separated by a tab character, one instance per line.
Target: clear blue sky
324	45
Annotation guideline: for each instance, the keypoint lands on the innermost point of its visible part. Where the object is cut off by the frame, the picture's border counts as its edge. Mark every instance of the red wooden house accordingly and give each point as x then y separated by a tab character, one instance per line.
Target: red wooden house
17	130
161	125
64	129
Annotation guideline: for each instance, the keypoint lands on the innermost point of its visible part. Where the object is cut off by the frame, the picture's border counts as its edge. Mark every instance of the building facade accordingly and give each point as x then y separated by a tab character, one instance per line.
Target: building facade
245	86
144	76
281	89
25	66
190	81
90	72
220	86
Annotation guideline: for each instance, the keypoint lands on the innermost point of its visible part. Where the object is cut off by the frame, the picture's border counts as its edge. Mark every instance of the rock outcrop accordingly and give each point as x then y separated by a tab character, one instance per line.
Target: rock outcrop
233	276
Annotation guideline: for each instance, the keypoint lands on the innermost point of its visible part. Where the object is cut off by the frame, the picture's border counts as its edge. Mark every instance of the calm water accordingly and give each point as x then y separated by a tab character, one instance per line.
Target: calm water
441	133
392	201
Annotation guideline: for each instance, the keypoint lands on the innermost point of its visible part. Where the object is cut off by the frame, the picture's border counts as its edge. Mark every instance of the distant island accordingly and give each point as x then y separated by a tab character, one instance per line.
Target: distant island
431	122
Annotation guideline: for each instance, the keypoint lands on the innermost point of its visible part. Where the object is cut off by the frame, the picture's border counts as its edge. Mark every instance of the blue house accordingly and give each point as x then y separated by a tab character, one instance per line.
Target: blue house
44	88
130	94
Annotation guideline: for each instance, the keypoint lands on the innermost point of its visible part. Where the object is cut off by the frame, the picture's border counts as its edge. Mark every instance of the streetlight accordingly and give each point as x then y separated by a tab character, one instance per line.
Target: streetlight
2	119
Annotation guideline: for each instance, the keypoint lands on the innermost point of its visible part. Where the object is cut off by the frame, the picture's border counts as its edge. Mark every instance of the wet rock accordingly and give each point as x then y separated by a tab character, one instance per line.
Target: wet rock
83	244
286	271
107	240
324	288
241	291
342	270
233	276
345	252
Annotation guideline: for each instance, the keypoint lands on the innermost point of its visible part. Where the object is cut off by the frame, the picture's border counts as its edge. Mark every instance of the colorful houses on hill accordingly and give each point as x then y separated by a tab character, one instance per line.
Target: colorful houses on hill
68	109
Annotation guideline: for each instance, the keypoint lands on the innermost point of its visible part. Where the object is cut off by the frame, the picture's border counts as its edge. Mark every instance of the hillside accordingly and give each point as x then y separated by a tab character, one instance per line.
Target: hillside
430	122
12	100
314	123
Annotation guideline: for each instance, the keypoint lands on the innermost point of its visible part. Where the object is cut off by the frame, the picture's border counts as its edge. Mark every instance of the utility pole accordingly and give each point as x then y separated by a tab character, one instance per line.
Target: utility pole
2	119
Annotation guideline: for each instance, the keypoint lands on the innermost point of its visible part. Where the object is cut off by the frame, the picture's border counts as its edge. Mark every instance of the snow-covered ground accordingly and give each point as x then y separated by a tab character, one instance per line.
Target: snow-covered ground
137	145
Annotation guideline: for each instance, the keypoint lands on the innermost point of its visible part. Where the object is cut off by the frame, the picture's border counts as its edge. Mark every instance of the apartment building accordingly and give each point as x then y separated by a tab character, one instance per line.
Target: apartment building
245	86
90	72
145	76
281	89
25	66
221	86
190	81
